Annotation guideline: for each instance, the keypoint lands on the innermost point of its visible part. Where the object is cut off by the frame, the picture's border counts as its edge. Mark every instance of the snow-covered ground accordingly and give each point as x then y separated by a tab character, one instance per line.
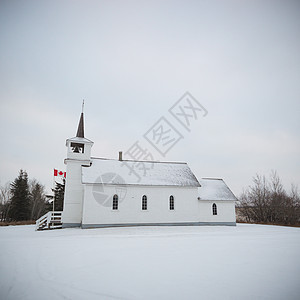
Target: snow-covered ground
243	262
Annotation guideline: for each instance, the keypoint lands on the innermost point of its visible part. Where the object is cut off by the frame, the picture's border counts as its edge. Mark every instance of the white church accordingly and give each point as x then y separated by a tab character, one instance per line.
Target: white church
102	192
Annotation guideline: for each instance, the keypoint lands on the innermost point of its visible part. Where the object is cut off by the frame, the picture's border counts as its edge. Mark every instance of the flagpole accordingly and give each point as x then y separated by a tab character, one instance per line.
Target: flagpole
53	190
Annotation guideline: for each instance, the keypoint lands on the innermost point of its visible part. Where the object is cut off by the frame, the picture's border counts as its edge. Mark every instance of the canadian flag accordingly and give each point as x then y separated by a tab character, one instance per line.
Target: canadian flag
59	173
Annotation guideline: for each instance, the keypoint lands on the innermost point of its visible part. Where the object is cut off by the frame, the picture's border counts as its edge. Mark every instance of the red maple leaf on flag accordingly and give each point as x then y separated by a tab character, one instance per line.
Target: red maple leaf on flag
59	173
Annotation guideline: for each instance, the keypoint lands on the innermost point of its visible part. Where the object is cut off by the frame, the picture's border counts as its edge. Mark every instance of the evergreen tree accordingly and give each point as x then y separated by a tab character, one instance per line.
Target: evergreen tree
20	200
38	203
59	193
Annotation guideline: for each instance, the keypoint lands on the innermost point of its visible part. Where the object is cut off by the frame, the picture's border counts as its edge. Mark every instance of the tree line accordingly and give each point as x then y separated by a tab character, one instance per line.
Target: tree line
266	201
26	200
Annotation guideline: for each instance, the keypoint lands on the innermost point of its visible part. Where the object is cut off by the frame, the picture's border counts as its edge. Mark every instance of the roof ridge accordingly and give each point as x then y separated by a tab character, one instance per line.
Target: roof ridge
147	161
211	178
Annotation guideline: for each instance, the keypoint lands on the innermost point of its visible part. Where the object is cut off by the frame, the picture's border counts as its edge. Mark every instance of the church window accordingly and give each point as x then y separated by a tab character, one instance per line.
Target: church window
144	202
214	209
115	202
171	202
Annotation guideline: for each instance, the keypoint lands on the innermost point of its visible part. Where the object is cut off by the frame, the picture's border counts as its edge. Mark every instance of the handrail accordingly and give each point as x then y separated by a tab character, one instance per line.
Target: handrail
49	220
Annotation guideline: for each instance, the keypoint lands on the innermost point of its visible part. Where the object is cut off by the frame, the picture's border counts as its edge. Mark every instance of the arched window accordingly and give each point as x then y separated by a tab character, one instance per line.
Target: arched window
144	202
214	209
115	202
171	202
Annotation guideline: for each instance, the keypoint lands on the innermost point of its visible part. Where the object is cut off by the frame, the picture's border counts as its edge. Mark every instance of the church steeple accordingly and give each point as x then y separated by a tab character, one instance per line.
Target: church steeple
78	155
80	130
79	147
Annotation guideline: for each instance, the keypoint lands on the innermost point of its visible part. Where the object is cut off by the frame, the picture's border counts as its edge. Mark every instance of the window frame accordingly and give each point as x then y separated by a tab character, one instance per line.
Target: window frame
171	203
144	203
214	209
115	202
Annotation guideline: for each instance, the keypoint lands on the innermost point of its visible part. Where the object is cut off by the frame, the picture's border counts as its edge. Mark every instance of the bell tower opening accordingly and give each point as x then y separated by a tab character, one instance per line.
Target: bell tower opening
77	148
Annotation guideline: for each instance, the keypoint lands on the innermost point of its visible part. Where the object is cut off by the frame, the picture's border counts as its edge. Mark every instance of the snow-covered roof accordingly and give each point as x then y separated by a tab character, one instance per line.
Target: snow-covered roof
109	171
214	189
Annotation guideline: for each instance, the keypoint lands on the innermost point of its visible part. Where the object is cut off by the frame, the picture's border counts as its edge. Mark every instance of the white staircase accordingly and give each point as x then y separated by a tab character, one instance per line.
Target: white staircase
50	220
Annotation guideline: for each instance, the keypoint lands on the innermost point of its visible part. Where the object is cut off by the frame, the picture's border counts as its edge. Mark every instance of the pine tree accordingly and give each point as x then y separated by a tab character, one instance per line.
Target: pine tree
59	193
20	200
38	203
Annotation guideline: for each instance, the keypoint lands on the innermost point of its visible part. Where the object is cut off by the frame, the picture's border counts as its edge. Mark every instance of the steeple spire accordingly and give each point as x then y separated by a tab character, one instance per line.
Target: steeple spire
80	130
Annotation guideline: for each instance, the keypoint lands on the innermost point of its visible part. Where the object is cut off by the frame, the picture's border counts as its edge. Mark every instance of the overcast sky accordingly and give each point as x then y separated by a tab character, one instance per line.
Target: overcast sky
131	61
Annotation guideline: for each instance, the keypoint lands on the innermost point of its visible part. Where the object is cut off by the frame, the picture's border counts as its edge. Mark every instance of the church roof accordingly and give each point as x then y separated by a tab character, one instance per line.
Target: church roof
214	189
109	171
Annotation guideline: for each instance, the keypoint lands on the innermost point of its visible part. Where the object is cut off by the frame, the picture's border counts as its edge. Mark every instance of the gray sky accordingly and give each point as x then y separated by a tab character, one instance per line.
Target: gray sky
131	61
